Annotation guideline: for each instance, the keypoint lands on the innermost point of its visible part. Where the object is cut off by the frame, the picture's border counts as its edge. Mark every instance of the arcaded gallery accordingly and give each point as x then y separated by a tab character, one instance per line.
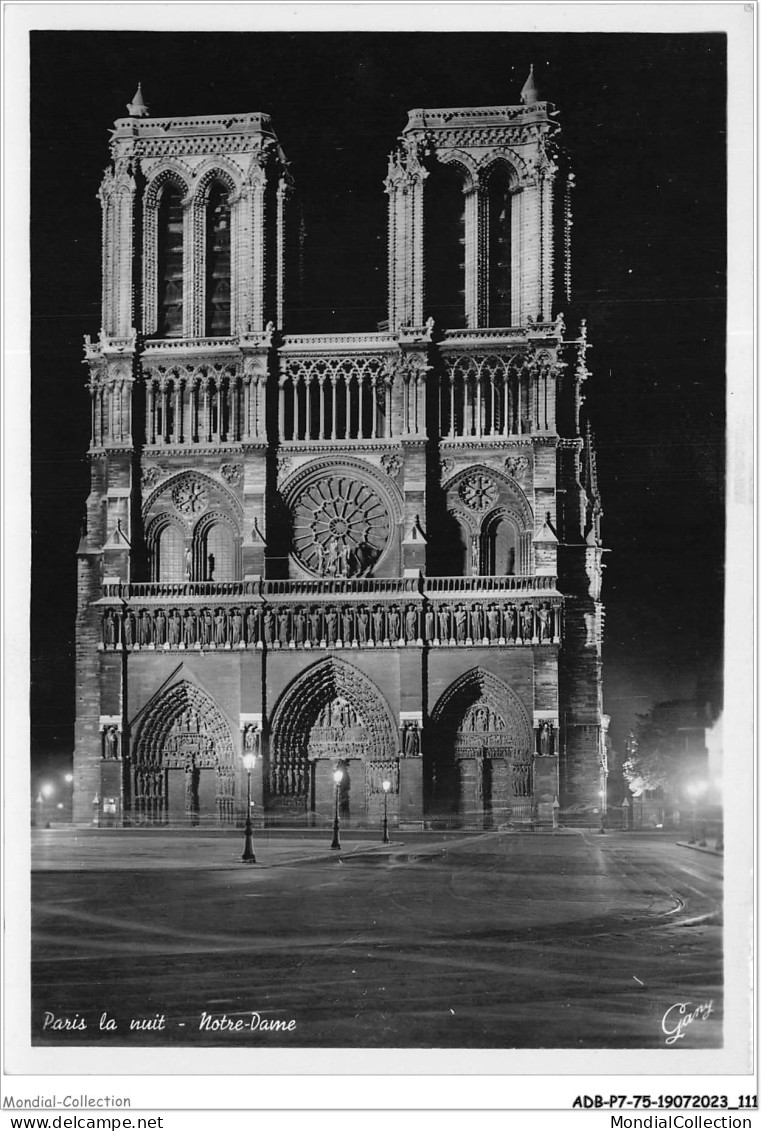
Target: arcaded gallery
375	553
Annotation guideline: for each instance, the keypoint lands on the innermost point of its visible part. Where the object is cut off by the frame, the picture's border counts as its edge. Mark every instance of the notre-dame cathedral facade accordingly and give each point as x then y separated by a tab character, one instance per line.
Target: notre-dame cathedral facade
377	551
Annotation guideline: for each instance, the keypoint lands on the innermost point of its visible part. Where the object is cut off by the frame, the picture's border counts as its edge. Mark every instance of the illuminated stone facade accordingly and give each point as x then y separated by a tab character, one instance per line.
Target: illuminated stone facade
379	551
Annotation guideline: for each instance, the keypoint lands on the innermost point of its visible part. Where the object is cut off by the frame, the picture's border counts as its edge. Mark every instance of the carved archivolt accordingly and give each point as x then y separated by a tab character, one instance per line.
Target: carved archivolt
331	711
182	729
478	702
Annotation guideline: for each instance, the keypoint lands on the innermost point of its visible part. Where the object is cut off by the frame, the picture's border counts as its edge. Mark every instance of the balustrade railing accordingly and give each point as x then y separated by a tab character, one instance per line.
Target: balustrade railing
479	584
322	588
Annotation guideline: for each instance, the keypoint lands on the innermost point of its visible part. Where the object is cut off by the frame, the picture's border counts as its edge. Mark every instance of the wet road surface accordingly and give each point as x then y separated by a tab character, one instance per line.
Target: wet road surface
498	940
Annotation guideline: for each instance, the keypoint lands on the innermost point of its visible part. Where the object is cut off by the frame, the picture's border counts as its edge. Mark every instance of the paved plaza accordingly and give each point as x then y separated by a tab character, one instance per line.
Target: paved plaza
493	940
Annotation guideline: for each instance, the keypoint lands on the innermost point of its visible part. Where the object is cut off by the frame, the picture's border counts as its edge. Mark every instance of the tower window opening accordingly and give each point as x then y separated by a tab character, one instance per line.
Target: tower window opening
500	247
444	251
218	262
170	263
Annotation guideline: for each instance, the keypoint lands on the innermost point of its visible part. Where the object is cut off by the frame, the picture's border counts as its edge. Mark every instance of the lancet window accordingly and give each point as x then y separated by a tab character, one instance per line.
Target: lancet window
218	284
169	554
499	224
170	262
444	247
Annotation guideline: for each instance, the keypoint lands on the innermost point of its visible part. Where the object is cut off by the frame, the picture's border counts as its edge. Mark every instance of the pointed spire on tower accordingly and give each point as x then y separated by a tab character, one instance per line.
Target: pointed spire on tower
530	94
137	107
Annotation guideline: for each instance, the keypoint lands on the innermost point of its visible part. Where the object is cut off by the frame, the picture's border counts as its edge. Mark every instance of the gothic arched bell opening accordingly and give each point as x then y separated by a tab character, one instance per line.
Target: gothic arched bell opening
499	203
444	246
218	288
170	262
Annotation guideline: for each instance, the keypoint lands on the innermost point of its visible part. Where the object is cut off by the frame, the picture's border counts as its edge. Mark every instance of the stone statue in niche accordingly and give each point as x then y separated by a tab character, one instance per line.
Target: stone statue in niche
282	627
111	743
251	627
330	626
362	559
159	625
269	623
546	739
527	622
219	627
509	623
521	779
460	618
207	628
109	629
174	627
252	740
188	565
236	627
299	626
129	628
443	623
378	626
430	625
210	567
410	624
362	624
411	741
543	616
314	626
189	629
347	627
394	624
492	619
144	633
476	620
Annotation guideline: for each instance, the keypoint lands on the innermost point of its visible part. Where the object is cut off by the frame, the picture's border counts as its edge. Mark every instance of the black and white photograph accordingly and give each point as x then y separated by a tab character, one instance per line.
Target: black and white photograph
390	571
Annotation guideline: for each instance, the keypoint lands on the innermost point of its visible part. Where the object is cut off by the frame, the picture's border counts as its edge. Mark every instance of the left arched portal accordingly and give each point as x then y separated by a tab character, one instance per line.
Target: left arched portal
183	760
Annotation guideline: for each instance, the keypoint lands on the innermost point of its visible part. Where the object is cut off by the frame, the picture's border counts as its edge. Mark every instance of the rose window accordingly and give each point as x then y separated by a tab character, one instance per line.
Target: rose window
190	497
478	492
340	527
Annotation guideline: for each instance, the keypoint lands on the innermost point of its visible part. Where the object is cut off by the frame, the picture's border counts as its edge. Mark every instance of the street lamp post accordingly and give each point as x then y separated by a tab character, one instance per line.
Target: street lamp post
602	812
248	857
47	791
386	788
337	778
695	789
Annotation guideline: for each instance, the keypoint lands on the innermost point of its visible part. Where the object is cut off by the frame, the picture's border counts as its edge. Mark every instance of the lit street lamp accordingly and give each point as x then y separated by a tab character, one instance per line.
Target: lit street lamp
602	811
248	857
337	778
386	788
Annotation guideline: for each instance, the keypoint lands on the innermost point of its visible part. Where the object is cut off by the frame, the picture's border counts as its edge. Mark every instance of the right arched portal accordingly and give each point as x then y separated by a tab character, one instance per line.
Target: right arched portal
479	753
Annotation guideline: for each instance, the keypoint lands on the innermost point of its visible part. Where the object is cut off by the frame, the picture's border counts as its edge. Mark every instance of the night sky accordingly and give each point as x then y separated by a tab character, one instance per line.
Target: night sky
644	118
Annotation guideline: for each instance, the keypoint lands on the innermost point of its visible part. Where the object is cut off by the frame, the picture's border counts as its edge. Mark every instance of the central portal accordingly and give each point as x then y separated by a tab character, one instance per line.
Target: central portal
338	739
331	717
